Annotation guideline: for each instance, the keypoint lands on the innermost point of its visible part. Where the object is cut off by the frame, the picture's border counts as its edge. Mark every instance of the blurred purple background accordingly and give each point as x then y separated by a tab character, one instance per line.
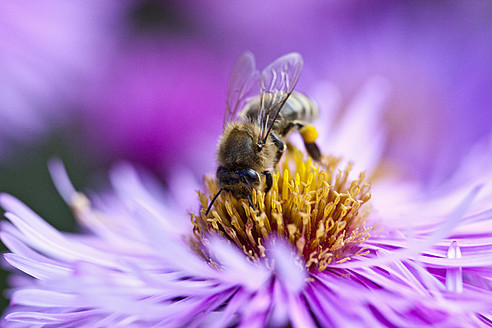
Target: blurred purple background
146	81
98	82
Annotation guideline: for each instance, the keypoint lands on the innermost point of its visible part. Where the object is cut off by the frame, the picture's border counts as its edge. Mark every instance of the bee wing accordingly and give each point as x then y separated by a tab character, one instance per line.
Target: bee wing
243	80
277	82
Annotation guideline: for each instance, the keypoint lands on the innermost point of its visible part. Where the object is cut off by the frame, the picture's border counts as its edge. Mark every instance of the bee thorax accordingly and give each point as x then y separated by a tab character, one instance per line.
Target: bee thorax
238	148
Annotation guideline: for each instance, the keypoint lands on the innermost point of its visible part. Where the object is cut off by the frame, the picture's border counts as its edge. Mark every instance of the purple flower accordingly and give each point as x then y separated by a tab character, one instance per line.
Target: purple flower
422	258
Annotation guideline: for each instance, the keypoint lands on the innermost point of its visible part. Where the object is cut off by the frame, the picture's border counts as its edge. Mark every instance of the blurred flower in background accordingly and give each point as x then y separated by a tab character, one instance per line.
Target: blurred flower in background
49	53
146	81
160	105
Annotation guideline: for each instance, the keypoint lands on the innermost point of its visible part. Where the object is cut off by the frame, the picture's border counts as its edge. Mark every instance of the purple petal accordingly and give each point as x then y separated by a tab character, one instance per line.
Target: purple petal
454	277
288	268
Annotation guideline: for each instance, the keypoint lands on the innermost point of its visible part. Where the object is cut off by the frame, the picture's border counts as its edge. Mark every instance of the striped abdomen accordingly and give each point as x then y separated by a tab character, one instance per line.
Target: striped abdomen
298	107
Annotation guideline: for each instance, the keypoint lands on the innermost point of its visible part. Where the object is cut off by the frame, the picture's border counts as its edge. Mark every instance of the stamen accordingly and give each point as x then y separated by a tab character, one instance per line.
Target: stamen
316	207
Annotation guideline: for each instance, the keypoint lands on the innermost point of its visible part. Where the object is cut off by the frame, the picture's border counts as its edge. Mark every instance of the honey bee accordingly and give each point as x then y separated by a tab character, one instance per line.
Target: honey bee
256	125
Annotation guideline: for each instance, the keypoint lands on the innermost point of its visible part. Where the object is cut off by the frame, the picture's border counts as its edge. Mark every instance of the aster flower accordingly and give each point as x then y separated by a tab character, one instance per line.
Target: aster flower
329	246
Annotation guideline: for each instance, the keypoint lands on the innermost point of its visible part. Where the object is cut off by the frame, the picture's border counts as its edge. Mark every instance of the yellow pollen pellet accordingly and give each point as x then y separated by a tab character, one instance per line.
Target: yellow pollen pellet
309	133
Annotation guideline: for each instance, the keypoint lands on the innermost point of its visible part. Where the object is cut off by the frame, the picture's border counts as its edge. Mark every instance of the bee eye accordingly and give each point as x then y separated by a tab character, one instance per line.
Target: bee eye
249	174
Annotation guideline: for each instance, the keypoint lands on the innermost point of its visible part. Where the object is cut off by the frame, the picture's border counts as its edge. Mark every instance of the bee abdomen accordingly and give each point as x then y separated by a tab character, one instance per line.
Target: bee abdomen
299	107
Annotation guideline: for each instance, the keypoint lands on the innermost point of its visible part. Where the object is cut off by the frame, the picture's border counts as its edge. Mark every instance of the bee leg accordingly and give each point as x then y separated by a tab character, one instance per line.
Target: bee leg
290	126
313	150
277	142
268	180
280	145
309	135
251	203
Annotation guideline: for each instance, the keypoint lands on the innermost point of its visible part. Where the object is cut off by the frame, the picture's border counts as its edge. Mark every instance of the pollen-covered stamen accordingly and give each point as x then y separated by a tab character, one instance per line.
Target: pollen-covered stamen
316	207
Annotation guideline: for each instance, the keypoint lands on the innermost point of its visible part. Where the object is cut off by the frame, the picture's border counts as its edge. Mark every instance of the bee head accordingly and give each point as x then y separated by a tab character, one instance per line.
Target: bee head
240	182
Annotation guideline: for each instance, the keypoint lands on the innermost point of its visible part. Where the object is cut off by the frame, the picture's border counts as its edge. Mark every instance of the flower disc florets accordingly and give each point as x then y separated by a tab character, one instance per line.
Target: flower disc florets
314	206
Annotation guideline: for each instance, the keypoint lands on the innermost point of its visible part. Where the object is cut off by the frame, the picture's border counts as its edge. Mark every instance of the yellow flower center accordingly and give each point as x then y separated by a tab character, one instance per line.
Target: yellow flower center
314	206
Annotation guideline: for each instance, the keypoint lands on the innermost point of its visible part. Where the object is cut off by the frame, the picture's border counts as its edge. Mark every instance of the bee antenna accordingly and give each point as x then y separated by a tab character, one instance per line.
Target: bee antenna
213	200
